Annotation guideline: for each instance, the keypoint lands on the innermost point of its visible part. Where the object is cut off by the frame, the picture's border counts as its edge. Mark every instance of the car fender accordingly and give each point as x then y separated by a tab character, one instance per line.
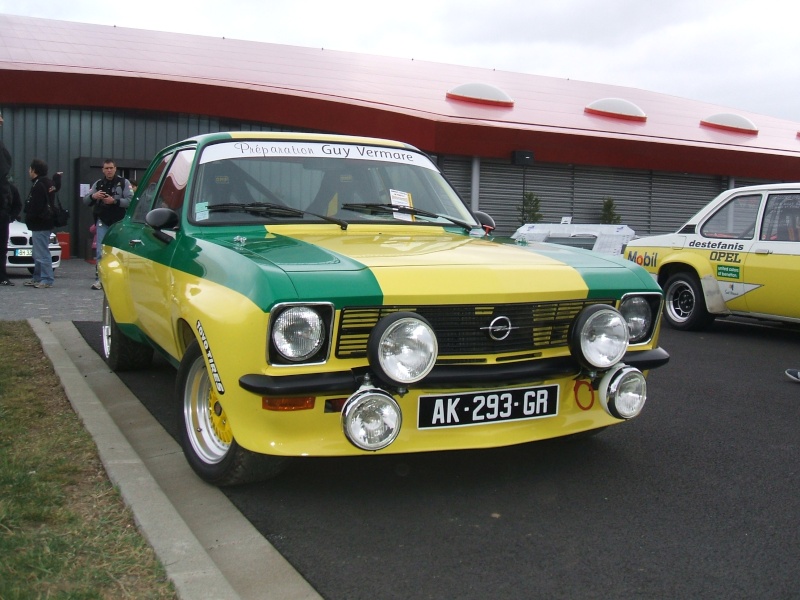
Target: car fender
683	260
112	271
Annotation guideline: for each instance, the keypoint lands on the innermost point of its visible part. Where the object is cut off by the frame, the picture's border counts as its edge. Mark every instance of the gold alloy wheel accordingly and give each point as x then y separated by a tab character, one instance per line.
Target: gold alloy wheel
205	420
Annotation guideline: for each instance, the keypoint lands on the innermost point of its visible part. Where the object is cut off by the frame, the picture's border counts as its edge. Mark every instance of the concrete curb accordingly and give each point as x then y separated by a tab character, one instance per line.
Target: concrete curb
223	557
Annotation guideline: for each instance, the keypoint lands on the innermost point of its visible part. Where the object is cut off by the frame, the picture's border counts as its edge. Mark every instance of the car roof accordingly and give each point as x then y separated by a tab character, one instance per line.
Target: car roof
296	136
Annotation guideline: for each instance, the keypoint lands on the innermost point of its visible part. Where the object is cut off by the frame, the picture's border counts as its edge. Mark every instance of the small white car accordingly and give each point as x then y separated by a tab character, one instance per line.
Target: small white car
740	255
20	248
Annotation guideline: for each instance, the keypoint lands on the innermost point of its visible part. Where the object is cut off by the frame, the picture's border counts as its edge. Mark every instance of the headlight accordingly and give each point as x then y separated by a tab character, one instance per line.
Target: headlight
402	348
623	392
298	333
371	419
599	336
639	317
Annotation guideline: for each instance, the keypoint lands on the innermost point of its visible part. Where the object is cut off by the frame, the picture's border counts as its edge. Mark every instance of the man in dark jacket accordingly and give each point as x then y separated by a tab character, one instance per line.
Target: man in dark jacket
39	219
109	197
9	207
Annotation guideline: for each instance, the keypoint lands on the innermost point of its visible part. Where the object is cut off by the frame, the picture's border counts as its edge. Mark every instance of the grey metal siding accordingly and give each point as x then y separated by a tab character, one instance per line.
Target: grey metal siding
647	202
676	197
60	136
458	170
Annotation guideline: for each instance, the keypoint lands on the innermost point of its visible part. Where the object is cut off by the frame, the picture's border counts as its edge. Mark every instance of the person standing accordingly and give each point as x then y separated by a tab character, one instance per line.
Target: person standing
39	219
109	197
10	206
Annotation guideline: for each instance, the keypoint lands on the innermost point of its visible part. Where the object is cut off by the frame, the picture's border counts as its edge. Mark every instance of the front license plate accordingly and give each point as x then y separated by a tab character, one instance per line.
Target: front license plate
24	252
493	406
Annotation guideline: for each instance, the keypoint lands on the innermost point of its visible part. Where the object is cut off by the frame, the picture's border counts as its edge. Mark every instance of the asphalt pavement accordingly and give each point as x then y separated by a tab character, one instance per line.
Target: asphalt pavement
696	498
209	550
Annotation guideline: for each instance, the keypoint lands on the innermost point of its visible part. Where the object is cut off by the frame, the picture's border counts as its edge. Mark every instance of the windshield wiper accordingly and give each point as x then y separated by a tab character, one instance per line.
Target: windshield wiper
257	208
268	208
406	210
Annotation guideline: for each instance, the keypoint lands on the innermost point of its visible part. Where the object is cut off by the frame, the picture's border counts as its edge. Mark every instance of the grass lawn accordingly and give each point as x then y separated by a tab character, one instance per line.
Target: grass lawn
64	530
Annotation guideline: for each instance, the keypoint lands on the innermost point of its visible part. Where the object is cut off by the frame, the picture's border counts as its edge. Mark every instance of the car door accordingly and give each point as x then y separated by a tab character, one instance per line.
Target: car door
151	281
725	238
772	267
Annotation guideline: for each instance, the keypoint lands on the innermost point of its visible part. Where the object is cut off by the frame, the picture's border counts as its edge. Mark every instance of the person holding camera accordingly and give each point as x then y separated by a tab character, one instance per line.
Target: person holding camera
109	197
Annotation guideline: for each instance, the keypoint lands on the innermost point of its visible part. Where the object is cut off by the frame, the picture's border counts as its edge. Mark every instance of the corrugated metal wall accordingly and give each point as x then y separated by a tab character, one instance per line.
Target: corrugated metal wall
648	202
61	136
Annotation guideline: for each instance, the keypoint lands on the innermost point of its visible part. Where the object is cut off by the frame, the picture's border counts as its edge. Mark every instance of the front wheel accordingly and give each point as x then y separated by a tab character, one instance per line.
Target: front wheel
205	433
120	352
684	303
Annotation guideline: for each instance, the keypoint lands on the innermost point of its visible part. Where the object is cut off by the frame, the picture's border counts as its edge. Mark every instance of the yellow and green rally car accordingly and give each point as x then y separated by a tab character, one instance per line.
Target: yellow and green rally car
333	296
739	255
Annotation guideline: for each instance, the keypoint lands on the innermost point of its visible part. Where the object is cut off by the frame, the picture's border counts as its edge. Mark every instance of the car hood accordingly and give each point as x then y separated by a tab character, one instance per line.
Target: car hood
443	266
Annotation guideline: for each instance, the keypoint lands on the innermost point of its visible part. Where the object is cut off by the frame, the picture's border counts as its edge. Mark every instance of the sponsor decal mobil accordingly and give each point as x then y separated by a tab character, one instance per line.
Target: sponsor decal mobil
645	259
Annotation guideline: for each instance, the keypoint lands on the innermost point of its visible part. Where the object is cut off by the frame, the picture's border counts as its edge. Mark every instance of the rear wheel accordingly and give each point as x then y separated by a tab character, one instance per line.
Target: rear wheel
205	433
685	304
120	352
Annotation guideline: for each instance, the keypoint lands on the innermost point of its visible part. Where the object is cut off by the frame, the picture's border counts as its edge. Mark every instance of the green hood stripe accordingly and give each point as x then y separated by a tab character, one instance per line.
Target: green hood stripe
245	270
594	269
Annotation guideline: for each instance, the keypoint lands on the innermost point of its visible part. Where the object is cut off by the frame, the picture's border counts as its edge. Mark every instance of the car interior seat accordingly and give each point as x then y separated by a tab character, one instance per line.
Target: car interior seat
217	184
338	188
793	226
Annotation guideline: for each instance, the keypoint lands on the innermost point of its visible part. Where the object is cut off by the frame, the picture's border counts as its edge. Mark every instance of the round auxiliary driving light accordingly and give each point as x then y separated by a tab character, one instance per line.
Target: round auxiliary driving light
639	317
402	348
623	392
371	419
298	333
599	337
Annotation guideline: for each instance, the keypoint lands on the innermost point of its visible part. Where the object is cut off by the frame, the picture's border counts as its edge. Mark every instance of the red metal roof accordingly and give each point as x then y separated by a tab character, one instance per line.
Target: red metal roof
45	62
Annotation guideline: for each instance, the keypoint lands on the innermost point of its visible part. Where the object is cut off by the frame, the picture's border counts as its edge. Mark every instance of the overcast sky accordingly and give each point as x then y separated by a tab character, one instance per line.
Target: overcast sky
739	54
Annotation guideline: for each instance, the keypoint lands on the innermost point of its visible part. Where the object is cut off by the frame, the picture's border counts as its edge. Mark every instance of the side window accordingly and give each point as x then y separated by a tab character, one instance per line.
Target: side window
735	220
781	218
173	190
148	189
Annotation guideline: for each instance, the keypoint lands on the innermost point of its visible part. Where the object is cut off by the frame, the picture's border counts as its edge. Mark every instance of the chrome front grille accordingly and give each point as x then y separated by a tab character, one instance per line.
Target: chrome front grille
464	330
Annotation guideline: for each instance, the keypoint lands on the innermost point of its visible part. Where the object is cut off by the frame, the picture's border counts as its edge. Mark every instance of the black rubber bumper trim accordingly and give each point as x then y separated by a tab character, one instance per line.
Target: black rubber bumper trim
646	359
447	376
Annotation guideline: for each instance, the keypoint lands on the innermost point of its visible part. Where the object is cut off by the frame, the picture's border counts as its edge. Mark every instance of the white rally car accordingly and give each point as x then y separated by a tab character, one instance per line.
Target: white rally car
740	255
20	248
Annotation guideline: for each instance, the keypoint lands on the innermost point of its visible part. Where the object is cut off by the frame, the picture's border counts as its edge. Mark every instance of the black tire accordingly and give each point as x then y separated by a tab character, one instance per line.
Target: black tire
120	352
684	303
206	436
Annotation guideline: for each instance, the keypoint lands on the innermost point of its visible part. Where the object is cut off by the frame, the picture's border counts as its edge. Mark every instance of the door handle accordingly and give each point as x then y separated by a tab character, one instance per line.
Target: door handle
133	243
762	251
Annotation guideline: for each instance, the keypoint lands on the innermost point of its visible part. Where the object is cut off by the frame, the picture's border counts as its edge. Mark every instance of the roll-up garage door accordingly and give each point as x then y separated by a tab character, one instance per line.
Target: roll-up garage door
458	171
678	196
647	202
502	188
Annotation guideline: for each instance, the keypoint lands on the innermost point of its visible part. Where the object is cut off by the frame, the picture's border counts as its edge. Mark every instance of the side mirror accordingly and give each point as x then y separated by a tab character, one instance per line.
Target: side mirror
486	221
162	218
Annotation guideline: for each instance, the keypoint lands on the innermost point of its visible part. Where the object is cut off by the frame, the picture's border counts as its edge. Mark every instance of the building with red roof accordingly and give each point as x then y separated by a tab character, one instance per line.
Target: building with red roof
72	93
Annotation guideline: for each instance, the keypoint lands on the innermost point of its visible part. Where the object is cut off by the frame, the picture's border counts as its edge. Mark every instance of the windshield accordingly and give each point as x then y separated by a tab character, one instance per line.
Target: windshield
289	182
